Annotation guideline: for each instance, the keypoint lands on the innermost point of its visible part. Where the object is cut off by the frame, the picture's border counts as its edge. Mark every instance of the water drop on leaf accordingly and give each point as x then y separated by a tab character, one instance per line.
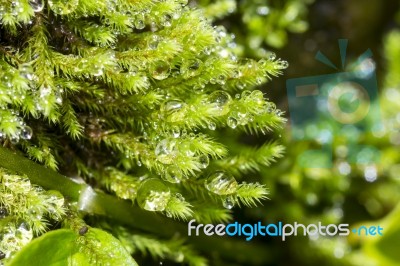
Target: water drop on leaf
204	161
3	212
232	122
166	20
173	174
26	71
139	22
190	68
281	64
153	42
271	56
179	197
176	132
170	110
220	102
212	126
37	5
221	183
166	151
160	70
153	195
26	133
228	203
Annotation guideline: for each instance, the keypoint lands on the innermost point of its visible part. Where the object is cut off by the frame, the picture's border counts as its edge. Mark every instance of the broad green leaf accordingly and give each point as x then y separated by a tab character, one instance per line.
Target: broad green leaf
53	248
65	247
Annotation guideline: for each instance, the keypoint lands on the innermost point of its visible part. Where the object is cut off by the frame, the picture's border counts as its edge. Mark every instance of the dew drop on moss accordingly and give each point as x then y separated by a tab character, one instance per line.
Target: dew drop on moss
228	203
212	126
170	110
219	101
37	5
190	68
281	64
26	71
204	161
166	20
176	132
153	195
271	56
26	133
221	183
160	70
166	151
232	122
139	22
173	174
3	212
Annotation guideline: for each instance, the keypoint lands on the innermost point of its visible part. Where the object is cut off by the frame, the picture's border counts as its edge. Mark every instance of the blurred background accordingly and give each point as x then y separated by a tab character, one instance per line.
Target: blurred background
359	183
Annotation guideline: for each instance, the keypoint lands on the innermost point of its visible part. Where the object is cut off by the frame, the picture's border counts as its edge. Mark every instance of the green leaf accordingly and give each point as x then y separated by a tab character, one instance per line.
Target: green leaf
65	247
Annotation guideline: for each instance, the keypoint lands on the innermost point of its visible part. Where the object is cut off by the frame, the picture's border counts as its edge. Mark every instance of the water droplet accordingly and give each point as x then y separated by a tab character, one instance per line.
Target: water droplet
262	62
189	68
166	151
26	71
179	197
14	139
228	203
221	183
220	102
187	148
271	56
3	212
232	122
212	126
34	214
221	79
26	132
170	110
166	20
236	74
37	5
160	70
173	174
154	41
176	132
139	22
24	233
63	7
241	85
153	195
281	64
207	50
204	161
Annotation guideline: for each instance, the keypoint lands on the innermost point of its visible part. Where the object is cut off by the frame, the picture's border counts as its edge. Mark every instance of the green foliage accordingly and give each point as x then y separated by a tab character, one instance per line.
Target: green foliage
145	100
260	24
67	247
25	211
